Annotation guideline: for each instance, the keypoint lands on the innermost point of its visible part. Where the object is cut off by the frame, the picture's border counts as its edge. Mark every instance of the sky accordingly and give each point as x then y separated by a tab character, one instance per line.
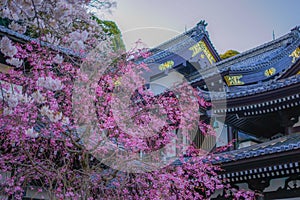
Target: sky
232	24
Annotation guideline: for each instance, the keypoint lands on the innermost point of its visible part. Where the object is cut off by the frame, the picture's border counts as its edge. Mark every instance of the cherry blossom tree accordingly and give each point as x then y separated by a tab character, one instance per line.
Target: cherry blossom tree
78	122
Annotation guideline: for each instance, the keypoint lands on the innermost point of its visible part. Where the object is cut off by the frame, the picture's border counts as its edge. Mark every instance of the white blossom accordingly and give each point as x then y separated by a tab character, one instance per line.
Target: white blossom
38	97
5	12
65	120
15	62
3	3
29	12
53	117
7	48
31	133
17	27
51	39
50	83
84	35
62	9
38	2
77	35
46	111
13	99
77	45
58	17
77	39
12	95
58	59
7	111
24	98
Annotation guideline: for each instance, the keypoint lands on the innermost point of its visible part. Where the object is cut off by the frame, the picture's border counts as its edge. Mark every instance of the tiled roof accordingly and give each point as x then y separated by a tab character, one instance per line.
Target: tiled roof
179	162
279	145
263	53
254	59
253	62
61	49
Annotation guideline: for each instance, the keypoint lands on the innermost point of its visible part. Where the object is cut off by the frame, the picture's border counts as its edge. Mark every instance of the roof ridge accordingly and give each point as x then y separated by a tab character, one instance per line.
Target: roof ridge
173	39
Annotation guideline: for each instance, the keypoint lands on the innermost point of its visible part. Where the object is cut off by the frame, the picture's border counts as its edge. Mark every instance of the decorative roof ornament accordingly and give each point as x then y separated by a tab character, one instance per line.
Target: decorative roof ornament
296	31
202	26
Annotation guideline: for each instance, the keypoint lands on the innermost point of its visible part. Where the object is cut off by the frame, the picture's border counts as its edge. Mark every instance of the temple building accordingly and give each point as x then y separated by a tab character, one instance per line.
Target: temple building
255	100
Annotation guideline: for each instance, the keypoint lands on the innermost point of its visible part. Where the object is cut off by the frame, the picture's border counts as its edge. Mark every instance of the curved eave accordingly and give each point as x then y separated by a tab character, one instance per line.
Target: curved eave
212	48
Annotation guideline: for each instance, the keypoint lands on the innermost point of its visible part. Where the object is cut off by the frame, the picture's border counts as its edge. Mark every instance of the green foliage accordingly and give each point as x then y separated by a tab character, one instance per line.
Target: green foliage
112	29
228	54
4	22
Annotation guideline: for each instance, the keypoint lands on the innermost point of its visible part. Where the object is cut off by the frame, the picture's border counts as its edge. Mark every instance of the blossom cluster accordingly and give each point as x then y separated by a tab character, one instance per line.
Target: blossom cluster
9	50
54	117
60	22
50	83
77	39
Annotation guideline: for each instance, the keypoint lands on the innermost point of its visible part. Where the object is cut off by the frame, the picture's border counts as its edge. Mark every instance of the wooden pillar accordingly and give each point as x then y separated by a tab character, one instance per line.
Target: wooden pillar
287	121
231	136
259	185
288	130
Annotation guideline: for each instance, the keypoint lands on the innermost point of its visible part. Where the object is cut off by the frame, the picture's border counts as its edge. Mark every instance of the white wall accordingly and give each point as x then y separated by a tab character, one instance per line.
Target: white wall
165	81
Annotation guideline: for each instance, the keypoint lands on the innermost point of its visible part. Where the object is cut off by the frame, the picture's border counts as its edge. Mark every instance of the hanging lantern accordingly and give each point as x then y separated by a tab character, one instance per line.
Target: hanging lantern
215	124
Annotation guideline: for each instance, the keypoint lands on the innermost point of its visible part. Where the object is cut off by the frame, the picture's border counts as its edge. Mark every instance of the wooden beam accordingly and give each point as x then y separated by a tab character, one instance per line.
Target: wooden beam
4	68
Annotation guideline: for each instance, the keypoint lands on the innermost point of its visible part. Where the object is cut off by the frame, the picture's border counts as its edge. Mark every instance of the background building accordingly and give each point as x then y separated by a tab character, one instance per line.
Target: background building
255	100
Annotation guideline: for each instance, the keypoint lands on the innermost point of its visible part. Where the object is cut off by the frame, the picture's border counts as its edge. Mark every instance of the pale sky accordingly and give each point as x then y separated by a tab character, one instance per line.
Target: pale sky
232	24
